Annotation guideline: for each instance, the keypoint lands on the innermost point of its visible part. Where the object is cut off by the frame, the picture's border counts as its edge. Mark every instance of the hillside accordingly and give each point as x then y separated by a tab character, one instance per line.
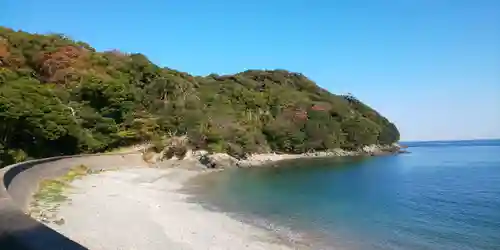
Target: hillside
58	96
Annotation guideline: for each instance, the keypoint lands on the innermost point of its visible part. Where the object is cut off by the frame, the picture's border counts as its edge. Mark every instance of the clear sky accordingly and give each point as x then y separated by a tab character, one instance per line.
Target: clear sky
430	66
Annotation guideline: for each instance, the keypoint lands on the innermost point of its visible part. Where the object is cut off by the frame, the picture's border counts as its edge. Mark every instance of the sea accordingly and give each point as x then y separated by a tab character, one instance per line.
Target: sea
442	195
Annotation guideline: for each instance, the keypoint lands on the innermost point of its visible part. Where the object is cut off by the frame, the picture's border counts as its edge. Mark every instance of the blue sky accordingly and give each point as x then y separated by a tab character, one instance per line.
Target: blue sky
431	66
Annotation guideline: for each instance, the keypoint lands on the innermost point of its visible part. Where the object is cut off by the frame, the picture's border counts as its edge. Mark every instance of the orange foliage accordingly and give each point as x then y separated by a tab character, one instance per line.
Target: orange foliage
302	115
4	52
296	114
57	65
7	58
318	108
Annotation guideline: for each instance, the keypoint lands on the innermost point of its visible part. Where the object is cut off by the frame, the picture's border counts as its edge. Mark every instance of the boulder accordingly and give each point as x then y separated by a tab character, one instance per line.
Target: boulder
217	160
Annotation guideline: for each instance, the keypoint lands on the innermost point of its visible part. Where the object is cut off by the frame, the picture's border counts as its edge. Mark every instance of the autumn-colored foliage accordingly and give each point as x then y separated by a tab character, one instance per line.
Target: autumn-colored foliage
318	108
59	96
57	66
4	52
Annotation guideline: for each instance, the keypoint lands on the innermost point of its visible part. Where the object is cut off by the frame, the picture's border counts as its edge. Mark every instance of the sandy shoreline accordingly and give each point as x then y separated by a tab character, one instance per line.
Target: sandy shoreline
143	208
149	208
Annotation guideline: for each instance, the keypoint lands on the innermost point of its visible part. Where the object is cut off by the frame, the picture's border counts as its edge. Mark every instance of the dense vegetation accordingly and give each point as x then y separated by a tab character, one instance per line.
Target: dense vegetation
58	96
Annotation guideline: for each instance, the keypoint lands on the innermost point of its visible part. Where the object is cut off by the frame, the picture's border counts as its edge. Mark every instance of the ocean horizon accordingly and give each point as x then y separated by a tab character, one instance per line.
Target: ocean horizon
468	142
442	195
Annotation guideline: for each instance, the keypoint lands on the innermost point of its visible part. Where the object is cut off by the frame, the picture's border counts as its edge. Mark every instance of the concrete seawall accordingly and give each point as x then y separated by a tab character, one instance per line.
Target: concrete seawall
19	181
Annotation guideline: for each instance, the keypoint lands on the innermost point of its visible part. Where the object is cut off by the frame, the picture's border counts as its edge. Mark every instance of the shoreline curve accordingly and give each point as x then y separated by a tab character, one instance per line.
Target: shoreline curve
19	181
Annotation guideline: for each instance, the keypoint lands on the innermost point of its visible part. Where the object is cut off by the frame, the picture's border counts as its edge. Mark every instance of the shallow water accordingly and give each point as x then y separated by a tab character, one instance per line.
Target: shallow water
444	195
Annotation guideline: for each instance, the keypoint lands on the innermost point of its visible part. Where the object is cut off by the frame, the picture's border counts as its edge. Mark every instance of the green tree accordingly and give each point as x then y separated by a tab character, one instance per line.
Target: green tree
59	96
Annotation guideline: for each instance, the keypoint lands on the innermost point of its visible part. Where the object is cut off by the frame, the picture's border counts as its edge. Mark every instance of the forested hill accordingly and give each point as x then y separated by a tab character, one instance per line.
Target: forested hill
58	96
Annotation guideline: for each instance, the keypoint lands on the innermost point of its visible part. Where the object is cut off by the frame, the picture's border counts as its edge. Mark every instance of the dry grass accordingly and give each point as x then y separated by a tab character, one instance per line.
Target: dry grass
166	148
51	193
51	190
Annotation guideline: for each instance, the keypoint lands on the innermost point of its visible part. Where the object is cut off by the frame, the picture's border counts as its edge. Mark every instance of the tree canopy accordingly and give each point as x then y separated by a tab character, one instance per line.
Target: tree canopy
59	96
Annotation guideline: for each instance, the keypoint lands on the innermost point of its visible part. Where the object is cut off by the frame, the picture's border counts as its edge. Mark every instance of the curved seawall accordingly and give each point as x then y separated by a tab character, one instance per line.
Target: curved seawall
19	181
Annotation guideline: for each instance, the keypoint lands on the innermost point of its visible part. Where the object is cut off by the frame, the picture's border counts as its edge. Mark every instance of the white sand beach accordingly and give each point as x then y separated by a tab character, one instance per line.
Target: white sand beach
142	208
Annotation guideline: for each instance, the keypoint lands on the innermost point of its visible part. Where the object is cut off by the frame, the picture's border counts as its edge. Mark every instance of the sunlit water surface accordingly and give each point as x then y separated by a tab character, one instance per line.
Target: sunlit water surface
444	195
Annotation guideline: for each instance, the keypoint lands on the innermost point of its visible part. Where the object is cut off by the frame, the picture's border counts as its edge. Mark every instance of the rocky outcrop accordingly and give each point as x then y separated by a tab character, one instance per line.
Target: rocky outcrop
218	160
223	160
381	149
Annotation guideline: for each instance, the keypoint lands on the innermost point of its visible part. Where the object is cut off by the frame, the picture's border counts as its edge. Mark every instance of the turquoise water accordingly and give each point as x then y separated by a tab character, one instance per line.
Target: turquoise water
444	195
